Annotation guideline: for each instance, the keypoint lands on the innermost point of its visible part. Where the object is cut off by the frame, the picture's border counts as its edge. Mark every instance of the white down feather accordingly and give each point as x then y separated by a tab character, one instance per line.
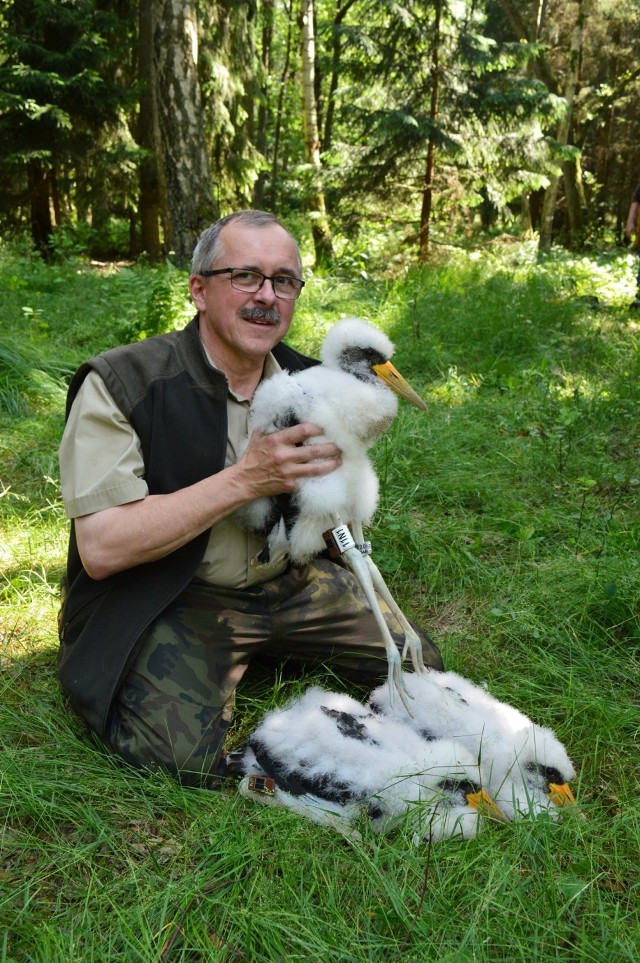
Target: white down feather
390	771
352	413
511	750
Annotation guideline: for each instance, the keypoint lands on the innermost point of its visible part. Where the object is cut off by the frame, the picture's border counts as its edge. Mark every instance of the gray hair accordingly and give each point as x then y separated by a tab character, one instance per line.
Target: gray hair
209	246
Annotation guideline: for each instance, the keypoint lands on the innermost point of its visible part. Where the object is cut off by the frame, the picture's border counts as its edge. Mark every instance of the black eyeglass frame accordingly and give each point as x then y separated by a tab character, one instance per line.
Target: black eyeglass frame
265	277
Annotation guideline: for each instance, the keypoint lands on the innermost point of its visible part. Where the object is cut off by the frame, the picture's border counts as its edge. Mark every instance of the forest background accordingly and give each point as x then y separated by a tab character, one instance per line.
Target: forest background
126	127
460	173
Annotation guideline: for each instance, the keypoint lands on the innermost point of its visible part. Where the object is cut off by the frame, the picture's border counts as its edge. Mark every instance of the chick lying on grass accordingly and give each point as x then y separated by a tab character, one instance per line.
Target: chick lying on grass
523	766
326	756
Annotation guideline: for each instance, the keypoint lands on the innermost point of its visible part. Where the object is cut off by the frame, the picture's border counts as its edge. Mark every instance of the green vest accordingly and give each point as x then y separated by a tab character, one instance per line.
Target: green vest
172	397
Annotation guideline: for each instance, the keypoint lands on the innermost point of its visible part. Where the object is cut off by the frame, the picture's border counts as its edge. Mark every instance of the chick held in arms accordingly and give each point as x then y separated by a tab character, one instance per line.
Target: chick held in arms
353	397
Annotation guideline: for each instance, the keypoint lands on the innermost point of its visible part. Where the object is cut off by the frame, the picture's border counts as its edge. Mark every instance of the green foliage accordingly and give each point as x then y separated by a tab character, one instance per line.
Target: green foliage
508	526
230	78
486	124
27	378
69	97
109	238
168	305
58	97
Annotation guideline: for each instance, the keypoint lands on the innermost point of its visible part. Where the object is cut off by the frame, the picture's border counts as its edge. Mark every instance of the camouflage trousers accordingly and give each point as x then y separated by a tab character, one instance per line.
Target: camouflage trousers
175	706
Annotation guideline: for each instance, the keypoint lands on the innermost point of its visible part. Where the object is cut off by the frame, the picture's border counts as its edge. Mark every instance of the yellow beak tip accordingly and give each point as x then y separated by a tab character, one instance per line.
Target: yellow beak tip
398	384
561	795
486	806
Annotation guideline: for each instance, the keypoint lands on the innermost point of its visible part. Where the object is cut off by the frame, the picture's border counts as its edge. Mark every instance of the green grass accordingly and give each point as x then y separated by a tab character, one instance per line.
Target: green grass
509	526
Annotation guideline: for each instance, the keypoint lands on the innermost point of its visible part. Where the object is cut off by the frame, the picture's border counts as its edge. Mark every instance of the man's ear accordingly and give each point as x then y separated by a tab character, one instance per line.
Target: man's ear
197	289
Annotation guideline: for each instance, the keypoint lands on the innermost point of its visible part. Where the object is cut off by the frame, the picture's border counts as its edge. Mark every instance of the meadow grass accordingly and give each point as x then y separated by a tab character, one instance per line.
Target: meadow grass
508	526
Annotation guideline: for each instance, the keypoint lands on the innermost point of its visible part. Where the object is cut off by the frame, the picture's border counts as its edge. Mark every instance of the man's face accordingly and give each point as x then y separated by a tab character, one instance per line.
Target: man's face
235	325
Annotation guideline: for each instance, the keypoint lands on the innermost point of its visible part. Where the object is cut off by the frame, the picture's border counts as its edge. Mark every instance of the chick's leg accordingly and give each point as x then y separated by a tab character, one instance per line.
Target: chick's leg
412	645
358	565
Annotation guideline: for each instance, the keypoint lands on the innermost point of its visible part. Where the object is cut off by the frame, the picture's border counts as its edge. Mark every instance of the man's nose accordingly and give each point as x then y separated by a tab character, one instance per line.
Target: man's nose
266	293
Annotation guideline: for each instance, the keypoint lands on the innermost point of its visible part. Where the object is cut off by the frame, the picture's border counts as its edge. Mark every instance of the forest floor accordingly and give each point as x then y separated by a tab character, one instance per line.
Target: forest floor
509	526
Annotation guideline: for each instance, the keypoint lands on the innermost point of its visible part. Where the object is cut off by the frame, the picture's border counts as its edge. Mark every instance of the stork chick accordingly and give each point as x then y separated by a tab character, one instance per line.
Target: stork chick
351	396
524	767
325	756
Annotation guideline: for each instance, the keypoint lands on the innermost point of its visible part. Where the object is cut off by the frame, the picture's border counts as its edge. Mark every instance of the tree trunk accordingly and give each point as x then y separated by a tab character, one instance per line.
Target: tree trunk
541	18
41	223
319	223
522	32
336	53
526	223
571	170
427	192
564	128
148	139
261	135
284	79
186	164
575	198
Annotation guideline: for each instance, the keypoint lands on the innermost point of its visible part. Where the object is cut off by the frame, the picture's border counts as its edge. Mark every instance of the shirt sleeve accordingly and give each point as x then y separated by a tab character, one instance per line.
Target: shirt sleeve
101	463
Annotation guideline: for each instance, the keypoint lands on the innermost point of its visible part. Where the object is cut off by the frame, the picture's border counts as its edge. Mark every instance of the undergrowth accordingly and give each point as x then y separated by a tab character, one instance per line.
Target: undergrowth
508	526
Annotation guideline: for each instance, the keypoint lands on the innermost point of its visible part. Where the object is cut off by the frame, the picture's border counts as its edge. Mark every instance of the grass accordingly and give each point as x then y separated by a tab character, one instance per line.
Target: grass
509	526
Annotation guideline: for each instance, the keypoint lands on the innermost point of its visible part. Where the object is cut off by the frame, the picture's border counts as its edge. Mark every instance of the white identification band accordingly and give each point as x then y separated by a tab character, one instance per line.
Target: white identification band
339	540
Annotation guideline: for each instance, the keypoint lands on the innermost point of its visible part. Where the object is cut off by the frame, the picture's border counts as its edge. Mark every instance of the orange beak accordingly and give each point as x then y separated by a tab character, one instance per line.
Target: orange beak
397	383
561	795
486	806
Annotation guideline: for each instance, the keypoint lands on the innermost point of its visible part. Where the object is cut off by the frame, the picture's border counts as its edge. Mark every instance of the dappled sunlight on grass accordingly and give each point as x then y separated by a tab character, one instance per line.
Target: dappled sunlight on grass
507	527
454	390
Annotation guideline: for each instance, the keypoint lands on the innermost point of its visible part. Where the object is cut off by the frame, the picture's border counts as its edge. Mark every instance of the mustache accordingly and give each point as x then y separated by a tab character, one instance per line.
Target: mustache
260	314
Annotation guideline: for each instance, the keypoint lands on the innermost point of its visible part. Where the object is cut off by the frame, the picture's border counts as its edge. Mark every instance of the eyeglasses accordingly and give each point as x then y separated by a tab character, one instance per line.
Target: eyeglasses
251	281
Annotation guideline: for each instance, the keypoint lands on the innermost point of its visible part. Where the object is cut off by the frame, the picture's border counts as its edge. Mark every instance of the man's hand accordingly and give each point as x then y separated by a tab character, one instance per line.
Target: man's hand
273	464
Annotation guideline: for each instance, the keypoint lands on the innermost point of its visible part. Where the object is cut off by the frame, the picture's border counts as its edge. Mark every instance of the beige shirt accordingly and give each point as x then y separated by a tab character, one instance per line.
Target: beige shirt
101	466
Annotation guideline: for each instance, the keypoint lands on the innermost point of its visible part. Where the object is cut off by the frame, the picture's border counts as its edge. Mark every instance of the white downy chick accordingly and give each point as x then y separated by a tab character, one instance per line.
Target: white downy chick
328	758
524	767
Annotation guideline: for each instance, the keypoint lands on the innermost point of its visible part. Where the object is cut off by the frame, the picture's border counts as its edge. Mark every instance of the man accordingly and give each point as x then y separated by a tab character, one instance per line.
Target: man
164	603
632	230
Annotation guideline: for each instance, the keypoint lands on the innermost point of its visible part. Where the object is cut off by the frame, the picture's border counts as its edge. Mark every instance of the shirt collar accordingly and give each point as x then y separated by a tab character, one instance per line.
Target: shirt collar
270	368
